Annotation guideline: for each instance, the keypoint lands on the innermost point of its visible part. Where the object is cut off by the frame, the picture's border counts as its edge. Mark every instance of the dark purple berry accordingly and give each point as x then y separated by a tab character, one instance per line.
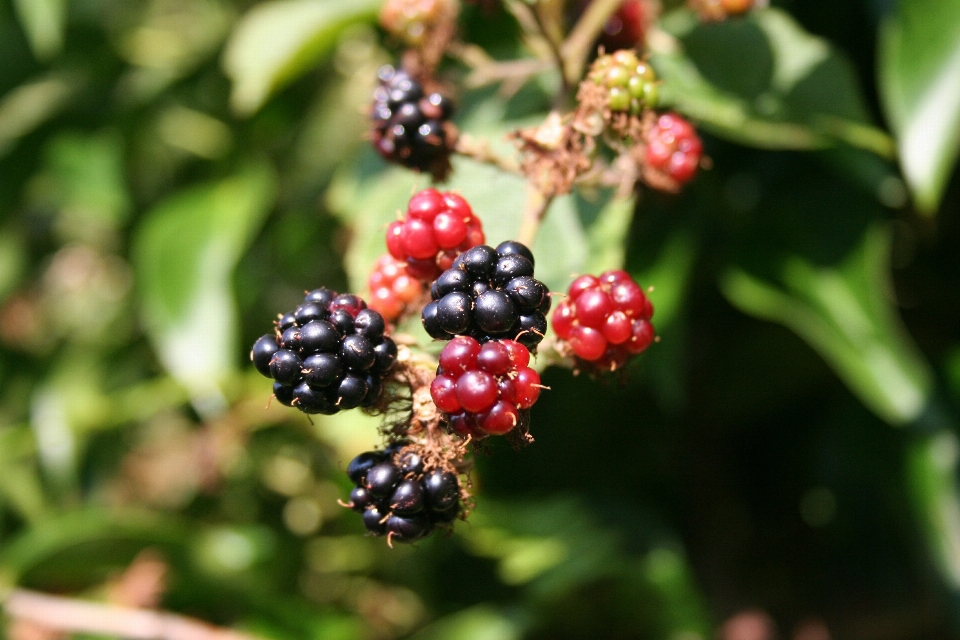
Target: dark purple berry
283	394
322	369
431	322
358	467
451	280
342	320
513	248
308	400
479	261
445	517
442	489
407	498
321	296
319	335
454	312
510	267
494	312
359	499
357	353
285	367
262	352
372	520
411	462
386	352
351	392
369	324
309	311
404	529
286	321
290	339
381	479
527	292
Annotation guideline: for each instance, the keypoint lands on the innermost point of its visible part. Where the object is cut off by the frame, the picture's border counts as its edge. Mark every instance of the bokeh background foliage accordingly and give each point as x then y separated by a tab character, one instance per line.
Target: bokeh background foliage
174	172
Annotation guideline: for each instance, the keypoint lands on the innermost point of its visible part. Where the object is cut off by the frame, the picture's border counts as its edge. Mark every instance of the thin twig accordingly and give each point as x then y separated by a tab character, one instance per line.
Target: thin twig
554	45
480	151
577	46
537	205
74	616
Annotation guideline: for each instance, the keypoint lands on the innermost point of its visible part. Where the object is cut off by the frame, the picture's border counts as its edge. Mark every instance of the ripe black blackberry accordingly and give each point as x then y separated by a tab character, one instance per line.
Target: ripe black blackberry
328	354
398	497
489	294
410	126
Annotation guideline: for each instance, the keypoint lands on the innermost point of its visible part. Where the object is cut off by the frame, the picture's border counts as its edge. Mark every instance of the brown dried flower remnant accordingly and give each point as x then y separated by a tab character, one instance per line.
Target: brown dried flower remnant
554	154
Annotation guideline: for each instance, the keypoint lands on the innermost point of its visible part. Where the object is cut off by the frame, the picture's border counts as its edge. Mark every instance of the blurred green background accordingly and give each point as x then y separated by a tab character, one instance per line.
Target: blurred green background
175	172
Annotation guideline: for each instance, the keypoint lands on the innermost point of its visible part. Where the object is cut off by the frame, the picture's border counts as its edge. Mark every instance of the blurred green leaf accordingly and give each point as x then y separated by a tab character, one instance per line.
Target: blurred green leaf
43	22
764	81
931	477
919	74
31	104
20	483
184	254
277	41
482	622
844	312
12	261
607	237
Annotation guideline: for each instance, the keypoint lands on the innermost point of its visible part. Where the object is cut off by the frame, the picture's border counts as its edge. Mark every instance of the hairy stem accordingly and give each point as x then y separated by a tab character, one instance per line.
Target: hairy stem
537	205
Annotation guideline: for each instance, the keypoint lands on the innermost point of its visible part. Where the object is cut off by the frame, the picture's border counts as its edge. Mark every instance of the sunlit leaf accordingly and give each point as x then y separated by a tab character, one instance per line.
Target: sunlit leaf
932	479
277	41
31	104
43	22
763	81
185	251
919	73
844	313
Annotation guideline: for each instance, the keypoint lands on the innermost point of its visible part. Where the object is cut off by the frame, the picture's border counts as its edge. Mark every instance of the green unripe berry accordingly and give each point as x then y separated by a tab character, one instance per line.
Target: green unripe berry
619	99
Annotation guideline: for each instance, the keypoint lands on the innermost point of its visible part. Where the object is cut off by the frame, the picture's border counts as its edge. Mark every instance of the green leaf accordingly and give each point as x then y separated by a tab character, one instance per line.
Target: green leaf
763	81
184	254
29	105
931	477
277	41
919	74
607	236
843	311
43	22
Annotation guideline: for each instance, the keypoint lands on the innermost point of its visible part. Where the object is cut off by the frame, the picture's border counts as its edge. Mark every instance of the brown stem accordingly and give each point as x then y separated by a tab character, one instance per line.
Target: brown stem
480	151
537	204
74	616
577	46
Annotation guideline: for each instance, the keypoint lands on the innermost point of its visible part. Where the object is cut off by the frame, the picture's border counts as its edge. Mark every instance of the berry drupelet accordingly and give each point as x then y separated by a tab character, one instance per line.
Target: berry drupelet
409	125
437	227
399	497
484	390
489	294
673	149
604	320
392	288
329	354
631	83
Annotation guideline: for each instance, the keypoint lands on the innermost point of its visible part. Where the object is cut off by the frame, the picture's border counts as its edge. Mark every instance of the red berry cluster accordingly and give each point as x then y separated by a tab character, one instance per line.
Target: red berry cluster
438	226
627	27
673	148
392	288
605	320
483	389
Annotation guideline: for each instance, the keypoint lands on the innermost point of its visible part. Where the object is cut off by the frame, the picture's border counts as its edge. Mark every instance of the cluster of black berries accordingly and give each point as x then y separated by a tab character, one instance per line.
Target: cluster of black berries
397	497
328	354
409	127
489	294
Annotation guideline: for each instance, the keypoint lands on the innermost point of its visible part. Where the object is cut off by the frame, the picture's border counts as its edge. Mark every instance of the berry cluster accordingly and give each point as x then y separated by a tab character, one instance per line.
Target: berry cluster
392	288
631	83
604	320
489	294
437	227
409	127
482	390
329	354
715	10
398	497
673	148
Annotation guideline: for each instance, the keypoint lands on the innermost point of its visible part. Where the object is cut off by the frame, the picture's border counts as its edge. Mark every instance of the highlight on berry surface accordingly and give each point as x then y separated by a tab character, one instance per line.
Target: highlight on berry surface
328	354
604	321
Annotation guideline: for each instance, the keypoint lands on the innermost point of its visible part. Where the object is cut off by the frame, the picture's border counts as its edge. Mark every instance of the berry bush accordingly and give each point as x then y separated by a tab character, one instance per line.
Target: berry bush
597	318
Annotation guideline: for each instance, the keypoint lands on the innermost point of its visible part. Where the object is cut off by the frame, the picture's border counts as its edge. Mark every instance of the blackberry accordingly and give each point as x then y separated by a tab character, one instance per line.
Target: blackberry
398	497
437	227
409	126
484	390
329	354
489	294
604	320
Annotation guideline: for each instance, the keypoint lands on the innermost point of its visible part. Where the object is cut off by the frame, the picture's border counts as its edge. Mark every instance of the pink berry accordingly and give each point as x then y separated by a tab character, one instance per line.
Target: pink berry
459	355
494	358
526	387
500	419
449	230
592	307
673	148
